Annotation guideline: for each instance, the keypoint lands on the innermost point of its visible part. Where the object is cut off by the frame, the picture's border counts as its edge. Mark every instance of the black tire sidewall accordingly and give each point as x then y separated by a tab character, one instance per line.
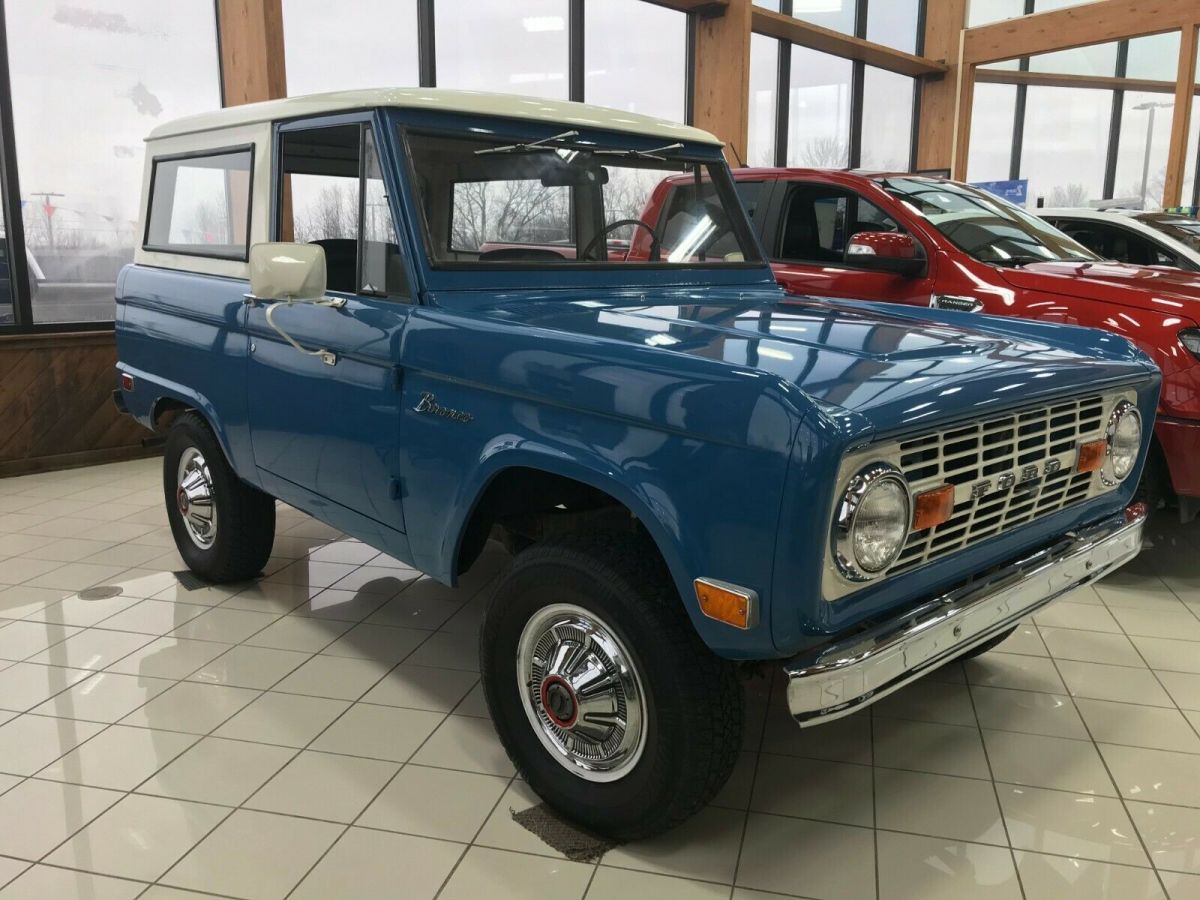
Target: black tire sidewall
186	433
607	806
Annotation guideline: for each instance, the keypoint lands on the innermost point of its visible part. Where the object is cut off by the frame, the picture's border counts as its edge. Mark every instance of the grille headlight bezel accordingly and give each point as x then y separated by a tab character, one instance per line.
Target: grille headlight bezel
871	479
1123	448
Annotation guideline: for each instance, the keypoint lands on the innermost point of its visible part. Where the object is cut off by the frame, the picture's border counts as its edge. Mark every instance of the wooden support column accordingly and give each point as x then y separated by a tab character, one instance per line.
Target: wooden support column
722	77
252	62
1181	117
944	23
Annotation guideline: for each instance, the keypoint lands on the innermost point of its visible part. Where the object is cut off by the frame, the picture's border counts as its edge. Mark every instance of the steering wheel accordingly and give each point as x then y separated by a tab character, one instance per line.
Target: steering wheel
655	240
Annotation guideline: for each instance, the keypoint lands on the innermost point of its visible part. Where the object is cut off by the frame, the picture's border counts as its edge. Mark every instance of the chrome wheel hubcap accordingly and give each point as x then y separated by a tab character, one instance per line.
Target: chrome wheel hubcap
195	500
581	692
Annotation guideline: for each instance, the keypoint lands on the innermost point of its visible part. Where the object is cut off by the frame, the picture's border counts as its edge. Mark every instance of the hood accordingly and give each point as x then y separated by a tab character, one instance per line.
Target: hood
1143	287
891	363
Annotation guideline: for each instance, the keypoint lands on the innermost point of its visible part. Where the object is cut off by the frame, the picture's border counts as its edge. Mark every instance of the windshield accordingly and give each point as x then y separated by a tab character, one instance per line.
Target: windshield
554	201
1181	228
988	228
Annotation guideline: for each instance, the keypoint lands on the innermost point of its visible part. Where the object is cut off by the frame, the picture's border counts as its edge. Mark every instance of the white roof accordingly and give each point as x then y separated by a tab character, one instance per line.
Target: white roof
511	106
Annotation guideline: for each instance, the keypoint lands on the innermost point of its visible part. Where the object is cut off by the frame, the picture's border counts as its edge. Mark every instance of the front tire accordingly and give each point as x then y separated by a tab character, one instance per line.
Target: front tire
224	528
601	691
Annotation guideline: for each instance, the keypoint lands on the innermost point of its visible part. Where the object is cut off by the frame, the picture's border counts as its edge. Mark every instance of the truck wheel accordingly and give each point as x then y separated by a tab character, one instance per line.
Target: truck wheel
223	528
989	644
602	693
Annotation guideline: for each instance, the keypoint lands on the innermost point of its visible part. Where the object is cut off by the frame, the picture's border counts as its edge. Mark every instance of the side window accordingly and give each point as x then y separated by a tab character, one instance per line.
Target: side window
332	193
200	204
684	209
1121	244
382	262
1084	233
818	220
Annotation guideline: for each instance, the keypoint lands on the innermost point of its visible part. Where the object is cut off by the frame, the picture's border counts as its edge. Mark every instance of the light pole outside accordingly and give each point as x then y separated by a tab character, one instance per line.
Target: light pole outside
1151	105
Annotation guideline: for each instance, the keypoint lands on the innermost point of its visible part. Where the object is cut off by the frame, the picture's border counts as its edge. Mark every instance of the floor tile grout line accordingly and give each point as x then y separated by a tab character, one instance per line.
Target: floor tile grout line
1154	672
1120	794
874	799
1012	852
470	771
762	732
558	856
241	806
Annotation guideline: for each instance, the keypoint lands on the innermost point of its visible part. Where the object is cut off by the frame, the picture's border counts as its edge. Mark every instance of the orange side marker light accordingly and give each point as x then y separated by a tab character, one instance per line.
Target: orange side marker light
727	603
1091	455
933	507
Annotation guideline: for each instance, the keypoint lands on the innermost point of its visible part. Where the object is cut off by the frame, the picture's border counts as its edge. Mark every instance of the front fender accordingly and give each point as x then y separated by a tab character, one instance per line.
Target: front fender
649	500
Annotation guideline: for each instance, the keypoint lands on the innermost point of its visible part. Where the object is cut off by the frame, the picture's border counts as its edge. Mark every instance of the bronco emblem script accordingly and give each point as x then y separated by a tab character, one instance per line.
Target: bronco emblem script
428	404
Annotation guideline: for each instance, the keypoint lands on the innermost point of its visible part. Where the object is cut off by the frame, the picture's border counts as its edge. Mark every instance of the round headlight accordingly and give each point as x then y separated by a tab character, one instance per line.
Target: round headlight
1124	437
873	522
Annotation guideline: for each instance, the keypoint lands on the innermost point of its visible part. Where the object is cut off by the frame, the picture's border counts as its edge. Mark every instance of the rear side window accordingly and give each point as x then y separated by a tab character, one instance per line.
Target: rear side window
200	204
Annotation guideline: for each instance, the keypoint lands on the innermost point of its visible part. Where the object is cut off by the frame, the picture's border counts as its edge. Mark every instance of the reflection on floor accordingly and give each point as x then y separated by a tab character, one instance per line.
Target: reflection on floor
321	733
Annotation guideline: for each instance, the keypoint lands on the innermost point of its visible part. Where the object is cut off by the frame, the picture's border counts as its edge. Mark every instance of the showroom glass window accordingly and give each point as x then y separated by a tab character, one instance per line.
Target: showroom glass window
894	24
887	115
1143	116
89	80
764	83
635	58
819	109
377	46
837	15
1065	144
992	114
501	45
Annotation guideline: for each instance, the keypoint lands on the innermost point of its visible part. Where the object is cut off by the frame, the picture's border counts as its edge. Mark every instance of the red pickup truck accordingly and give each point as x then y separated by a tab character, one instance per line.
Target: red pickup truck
933	242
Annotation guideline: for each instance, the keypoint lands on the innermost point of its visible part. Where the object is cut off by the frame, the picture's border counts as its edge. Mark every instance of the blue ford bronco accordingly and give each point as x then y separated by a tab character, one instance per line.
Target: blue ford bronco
414	315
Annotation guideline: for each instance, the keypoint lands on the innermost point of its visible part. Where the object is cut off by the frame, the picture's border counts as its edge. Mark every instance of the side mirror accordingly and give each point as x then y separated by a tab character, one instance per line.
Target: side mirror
886	251
285	271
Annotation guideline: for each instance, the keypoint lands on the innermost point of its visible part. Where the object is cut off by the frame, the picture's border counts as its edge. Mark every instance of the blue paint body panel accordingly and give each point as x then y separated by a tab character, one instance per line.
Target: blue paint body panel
715	414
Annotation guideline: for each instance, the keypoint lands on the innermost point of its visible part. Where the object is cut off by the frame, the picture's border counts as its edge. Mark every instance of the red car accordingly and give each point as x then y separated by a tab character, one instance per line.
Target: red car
933	242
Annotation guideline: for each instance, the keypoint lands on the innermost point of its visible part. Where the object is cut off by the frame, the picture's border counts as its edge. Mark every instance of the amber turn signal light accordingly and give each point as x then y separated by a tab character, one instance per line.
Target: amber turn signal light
933	507
727	603
1091	455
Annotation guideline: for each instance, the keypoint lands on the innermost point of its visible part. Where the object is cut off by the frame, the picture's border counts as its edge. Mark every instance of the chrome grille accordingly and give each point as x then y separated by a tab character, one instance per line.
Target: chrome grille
981	457
1007	470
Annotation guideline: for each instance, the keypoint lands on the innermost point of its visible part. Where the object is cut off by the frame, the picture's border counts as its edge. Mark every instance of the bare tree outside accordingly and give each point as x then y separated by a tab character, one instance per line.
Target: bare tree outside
824	152
1066	196
509	211
329	212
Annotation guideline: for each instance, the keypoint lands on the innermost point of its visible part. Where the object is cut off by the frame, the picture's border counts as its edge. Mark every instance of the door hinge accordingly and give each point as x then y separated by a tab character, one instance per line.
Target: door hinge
395	490
398	378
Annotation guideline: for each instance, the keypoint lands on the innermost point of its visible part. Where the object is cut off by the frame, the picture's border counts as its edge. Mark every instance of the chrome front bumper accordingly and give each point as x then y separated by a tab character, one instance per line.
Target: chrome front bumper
834	680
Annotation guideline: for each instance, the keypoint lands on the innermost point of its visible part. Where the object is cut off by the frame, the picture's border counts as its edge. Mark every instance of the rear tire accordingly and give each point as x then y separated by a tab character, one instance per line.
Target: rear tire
601	691
224	528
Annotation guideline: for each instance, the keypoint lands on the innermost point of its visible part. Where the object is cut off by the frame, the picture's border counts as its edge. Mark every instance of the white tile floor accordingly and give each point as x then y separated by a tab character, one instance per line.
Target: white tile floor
321	734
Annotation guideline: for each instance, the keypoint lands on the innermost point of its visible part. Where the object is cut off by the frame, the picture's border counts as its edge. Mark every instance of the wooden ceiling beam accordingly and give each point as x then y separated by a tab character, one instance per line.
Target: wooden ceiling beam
1075	26
773	24
1185	89
700	7
1053	79
252	66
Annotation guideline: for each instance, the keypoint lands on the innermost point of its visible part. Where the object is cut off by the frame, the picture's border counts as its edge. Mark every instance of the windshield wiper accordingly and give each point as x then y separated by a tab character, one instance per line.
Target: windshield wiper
653	153
529	146
1018	261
